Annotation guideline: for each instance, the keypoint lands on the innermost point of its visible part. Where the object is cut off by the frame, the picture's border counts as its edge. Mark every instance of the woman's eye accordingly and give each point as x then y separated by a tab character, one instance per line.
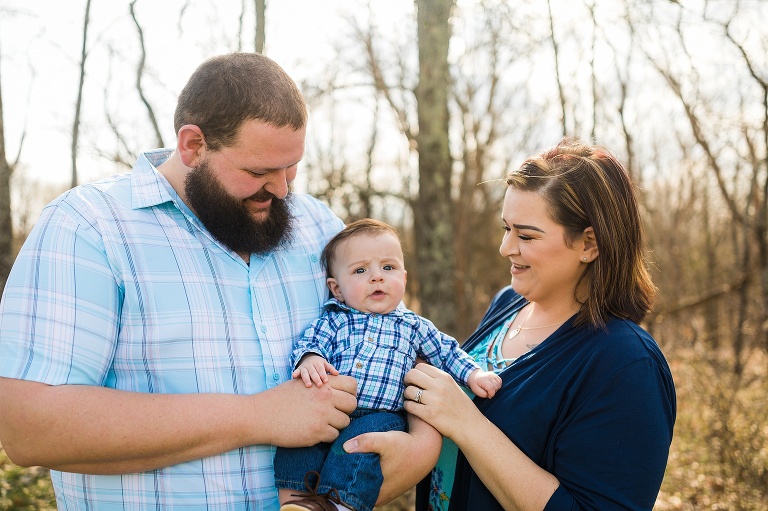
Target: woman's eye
524	237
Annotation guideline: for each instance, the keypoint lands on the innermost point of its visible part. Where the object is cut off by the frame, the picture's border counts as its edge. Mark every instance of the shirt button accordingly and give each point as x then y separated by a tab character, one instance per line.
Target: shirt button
359	365
263	329
275	376
314	258
370	339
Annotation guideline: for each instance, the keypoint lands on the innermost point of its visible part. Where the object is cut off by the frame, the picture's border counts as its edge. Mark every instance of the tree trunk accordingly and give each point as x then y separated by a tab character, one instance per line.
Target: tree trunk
556	49
140	74
6	227
433	211
78	104
261	17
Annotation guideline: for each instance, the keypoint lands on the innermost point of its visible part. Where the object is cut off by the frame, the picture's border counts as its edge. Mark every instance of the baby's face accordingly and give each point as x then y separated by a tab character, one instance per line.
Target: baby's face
369	274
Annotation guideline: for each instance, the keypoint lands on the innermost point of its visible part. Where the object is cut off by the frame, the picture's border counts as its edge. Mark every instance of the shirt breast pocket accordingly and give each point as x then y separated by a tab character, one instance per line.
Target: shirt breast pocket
389	346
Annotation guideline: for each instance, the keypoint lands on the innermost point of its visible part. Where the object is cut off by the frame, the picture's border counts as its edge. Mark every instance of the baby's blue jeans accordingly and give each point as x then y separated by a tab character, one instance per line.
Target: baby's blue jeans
356	476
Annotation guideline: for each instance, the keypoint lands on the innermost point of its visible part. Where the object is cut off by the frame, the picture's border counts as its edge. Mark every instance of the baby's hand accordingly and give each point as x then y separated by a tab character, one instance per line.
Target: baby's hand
484	383
314	368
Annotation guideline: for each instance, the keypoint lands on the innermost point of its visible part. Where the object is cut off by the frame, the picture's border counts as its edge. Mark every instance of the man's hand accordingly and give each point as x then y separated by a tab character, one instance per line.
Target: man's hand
405	457
297	416
314	368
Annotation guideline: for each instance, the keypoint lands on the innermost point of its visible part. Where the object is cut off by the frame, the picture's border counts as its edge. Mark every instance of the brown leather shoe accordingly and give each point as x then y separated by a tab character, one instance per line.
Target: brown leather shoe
313	501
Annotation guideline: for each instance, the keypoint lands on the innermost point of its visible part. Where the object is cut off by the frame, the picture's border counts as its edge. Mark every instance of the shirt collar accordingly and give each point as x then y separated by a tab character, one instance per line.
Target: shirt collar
334	303
149	187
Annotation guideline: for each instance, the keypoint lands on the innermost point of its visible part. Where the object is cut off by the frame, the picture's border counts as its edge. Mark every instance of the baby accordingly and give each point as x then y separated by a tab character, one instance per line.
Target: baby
364	332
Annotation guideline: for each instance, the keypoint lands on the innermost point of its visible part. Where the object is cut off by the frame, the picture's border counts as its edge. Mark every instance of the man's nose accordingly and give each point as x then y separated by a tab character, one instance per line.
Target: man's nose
277	183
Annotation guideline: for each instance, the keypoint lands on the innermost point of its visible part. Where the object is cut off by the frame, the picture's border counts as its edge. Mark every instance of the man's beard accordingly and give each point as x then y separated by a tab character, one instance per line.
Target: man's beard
229	221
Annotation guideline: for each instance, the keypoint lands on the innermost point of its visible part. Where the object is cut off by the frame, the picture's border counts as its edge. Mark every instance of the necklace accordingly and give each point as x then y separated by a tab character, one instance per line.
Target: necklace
494	358
515	331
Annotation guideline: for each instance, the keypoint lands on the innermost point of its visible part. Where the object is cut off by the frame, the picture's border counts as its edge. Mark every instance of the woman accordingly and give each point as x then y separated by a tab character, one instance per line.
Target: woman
585	414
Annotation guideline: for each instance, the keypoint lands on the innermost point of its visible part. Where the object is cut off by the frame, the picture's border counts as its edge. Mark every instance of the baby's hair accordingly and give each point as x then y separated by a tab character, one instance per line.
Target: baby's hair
363	227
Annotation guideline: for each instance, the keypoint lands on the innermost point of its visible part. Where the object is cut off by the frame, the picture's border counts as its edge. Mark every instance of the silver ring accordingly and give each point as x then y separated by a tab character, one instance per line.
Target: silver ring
418	396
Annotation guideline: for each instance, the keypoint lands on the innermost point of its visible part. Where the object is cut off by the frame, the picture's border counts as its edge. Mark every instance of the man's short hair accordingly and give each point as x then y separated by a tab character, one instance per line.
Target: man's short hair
226	90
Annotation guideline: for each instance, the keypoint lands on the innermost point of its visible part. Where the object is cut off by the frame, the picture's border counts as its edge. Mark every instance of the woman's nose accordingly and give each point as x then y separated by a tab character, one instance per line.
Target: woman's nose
509	246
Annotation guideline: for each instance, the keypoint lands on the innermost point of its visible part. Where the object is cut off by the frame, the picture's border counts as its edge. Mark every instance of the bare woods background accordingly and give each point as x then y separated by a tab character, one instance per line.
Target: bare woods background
414	119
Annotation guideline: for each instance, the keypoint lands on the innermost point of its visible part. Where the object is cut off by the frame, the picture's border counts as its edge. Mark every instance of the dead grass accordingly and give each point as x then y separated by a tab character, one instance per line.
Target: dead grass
719	458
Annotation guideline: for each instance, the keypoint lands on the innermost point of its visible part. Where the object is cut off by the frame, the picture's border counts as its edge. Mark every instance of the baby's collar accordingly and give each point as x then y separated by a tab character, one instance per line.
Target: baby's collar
335	303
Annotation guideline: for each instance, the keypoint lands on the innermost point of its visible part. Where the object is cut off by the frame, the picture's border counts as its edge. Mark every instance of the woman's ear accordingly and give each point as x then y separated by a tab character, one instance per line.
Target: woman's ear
191	145
335	289
589	251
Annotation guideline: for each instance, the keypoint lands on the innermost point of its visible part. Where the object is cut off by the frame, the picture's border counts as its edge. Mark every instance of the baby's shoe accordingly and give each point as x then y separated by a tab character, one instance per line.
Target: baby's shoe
313	501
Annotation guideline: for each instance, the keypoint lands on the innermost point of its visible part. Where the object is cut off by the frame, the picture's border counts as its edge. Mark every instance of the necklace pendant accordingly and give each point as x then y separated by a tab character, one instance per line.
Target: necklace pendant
513	333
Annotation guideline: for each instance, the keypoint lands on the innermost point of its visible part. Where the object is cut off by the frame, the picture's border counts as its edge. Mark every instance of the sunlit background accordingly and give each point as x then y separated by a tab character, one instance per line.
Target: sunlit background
677	89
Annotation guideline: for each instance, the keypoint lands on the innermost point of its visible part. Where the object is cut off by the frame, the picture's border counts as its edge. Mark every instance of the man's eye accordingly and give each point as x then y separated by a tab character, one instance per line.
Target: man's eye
360	270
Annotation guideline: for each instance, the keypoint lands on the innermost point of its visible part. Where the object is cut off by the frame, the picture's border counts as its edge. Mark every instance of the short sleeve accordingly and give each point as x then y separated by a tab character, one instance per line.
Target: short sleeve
60	305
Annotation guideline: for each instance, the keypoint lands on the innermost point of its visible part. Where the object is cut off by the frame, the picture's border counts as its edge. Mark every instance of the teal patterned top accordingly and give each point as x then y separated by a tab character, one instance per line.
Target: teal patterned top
443	473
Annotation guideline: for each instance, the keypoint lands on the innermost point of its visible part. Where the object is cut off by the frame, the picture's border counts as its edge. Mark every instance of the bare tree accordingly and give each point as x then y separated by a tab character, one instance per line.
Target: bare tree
733	141
477	100
261	18
556	51
481	97
79	102
433	209
240	25
122	154
6	225
140	74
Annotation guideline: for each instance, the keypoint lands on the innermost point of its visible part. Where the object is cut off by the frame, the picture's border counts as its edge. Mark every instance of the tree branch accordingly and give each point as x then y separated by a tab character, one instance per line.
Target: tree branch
140	74
79	102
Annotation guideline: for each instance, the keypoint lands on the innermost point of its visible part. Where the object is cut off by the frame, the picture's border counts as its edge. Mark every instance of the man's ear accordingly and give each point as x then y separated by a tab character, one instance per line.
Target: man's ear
190	145
335	289
589	250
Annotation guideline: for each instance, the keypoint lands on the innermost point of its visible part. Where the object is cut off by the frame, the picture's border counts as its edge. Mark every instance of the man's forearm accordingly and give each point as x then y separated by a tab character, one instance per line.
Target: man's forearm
96	430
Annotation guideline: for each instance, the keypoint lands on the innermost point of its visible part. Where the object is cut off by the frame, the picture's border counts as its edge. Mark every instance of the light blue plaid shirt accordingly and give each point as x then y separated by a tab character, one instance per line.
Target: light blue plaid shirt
119	285
378	349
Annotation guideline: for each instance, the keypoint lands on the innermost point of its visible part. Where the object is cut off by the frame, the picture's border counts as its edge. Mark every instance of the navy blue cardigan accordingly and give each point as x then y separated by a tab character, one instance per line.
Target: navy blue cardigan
595	408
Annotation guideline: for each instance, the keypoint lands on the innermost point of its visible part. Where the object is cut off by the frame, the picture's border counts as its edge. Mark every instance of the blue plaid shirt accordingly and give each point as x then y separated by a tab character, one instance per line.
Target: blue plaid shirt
119	285
378	349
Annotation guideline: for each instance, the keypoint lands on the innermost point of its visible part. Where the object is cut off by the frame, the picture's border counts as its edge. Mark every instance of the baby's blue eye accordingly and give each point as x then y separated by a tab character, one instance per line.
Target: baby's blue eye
389	267
360	270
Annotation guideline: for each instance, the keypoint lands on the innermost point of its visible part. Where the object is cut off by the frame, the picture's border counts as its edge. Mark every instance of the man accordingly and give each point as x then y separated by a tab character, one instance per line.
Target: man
146	326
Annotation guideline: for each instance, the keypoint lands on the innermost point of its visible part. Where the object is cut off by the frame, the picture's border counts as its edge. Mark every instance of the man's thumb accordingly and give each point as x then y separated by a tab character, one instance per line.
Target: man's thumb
362	443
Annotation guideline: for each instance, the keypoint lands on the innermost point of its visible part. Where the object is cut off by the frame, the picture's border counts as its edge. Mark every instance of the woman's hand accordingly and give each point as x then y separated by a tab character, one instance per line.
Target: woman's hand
405	457
441	403
513	478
